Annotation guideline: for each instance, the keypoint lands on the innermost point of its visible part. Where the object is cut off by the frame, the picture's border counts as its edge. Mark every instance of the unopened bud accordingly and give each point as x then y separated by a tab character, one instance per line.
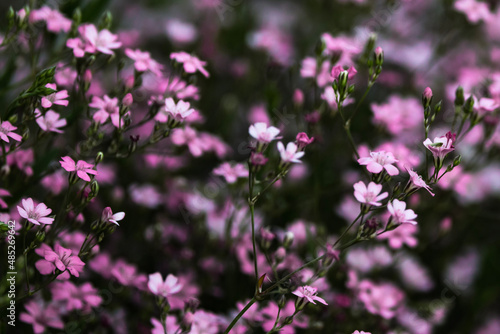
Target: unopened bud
280	254
282	301
288	239
379	56
99	158
469	105
127	100
106	21
40	236
459	96
298	97
426	97
457	160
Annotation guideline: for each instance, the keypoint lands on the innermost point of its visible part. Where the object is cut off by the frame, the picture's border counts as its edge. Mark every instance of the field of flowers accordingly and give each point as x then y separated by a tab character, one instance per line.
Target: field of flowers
240	166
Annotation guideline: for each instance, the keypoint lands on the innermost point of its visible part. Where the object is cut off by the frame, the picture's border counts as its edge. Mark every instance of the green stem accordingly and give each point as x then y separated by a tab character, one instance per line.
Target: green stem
251	204
370	84
235	320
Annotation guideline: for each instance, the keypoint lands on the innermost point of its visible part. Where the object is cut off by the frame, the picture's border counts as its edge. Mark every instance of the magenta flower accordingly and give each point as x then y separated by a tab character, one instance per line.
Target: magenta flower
165	288
263	133
35	215
399	214
81	168
379	161
143	62
404	234
6	131
55	21
41	316
190	63
81	297
382	299
3	193
441	146
103	41
58	98
336	70
61	259
290	154
358	332
178	112
307	294
231	173
369	195
106	107
302	140
50	121
108	216
416	182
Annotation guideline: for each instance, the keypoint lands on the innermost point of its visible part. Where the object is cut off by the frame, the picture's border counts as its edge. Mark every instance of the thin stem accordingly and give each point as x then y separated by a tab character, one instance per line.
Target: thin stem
251	204
347	128
235	320
276	179
347	230
370	84
26	257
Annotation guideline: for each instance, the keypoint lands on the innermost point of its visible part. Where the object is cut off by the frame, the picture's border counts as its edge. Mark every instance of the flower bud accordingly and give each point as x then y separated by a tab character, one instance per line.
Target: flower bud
99	158
469	105
282	301
302	140
457	161
258	159
298	97
320	47
280	254
127	100
426	97
266	238
459	96
379	56
288	239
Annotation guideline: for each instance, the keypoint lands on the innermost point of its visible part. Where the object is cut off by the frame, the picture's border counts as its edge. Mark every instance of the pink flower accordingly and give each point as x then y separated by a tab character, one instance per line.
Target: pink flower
82	297
143	61
369	195
336	70
475	10
399	214
416	182
103	41
58	98
106	107
441	146
108	216
50	121
190	63
81	168
290	154
401	116
35	215
77	45
178	112
6	131
358	332
127	275
41	316
61	259
383	299
307	294
181	32
302	140
379	161
404	234
3	193
55	21
486	106
165	288
188	136
263	133
231	173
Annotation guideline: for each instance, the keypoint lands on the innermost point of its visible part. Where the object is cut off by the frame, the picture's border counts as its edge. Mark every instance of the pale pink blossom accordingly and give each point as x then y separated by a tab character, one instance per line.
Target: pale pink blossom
290	154
178	112
82	297
50	121
108	216
381	299
106	107
399	214
416	182
362	332
92	41
441	146
404	234
379	161
59	258
143	62
58	98
190	63
181	32
165	288
41	316
188	136
475	10
231	172
369	195
35	215
401	116
263	133
6	131
3	193
486	106
56	22
307	294
81	168
128	275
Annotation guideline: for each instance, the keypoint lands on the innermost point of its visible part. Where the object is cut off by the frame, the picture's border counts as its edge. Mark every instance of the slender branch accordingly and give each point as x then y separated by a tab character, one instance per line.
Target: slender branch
235	320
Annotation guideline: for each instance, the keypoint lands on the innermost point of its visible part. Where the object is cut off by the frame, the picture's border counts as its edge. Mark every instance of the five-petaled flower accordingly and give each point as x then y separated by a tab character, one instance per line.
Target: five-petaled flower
143	62
416	182
58	98
178	112
36	215
290	154
81	168
108	216
399	214
263	133
190	63
59	258
369	195
6	131
307	294
441	147
50	121
165	288
379	161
